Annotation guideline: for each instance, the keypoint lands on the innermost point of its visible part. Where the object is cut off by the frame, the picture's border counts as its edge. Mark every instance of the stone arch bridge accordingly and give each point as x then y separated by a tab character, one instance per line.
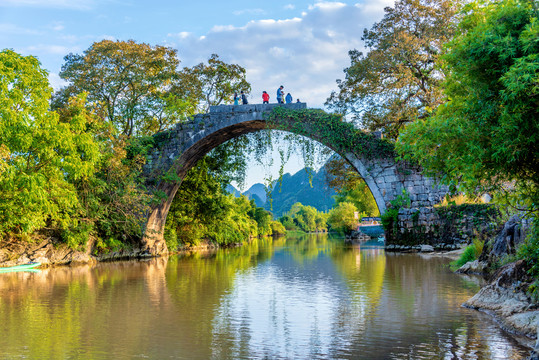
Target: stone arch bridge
178	149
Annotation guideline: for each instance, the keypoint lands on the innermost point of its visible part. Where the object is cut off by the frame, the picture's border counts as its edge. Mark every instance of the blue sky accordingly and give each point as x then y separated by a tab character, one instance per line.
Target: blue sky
301	44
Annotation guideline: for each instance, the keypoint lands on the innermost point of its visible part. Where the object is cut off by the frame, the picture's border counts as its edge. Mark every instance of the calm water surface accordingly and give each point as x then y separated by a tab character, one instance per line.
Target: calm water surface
295	298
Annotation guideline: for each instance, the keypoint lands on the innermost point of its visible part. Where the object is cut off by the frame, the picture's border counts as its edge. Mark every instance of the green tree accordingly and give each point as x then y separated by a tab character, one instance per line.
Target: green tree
342	218
202	209
350	186
128	83
398	80
41	154
304	218
263	219
277	228
486	137
215	82
288	222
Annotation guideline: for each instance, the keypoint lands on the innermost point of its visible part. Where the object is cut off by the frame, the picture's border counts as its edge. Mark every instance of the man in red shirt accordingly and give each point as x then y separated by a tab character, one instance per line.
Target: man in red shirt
265	97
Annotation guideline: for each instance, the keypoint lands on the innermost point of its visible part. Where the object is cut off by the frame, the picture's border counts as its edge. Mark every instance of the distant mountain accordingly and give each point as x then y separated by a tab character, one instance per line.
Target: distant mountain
258	200
232	190
258	190
296	188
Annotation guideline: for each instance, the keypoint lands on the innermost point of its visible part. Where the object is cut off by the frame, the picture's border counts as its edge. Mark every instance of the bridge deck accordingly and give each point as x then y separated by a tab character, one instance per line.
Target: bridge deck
254	107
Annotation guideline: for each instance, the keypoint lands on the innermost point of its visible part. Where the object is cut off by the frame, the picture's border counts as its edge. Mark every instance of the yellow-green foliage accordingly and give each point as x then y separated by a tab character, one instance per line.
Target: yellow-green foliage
277	228
343	217
471	253
42	155
459	199
304	218
202	210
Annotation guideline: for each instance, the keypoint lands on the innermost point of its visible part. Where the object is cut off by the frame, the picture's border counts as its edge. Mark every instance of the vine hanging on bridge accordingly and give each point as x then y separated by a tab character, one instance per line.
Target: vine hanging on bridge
330	130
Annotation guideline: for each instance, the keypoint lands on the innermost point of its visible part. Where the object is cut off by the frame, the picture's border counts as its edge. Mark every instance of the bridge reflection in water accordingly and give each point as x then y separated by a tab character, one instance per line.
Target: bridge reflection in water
306	297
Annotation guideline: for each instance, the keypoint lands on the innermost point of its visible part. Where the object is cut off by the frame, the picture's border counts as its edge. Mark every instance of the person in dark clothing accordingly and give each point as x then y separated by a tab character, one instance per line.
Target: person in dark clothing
243	98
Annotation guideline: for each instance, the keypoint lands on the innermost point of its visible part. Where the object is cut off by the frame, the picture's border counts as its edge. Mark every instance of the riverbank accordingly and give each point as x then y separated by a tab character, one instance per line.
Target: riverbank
507	295
505	299
50	253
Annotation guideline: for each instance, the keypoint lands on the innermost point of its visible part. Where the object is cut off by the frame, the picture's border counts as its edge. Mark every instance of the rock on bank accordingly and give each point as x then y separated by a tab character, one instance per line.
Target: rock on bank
506	300
48	252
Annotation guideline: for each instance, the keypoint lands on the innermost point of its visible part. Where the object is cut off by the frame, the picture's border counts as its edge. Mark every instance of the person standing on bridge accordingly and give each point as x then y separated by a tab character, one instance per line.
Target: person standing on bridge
236	99
265	97
280	95
243	98
289	98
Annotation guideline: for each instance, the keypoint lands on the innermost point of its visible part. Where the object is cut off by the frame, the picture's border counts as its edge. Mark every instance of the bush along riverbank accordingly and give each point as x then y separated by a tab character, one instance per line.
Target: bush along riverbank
510	263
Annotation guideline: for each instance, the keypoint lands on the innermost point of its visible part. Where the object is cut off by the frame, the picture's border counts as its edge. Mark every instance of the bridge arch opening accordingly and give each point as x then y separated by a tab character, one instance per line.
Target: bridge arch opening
205	138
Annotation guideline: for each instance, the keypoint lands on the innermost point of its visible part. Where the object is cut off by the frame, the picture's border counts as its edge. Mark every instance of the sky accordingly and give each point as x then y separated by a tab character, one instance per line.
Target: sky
302	45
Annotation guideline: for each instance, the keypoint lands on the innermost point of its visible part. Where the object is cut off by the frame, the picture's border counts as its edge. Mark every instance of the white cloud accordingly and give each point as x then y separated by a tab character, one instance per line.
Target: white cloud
56	81
222	28
374	6
57	26
326	5
180	35
277	51
305	54
289	7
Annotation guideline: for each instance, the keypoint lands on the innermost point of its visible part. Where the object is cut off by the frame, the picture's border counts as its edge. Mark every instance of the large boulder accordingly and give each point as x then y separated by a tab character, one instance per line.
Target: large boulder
505	297
473	267
505	243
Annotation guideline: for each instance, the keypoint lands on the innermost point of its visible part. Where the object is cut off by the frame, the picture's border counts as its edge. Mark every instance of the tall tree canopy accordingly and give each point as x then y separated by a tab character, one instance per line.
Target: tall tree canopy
40	153
487	134
398	80
215	82
127	83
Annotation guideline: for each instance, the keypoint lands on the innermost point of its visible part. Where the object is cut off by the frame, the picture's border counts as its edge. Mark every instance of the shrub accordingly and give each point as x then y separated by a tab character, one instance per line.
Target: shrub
277	229
529	252
471	253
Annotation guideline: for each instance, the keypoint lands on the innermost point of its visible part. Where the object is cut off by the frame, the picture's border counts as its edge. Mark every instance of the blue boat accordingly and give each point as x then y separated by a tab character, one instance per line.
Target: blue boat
24	267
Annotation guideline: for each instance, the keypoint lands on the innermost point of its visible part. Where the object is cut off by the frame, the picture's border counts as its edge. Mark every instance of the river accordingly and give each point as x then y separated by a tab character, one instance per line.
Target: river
307	297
